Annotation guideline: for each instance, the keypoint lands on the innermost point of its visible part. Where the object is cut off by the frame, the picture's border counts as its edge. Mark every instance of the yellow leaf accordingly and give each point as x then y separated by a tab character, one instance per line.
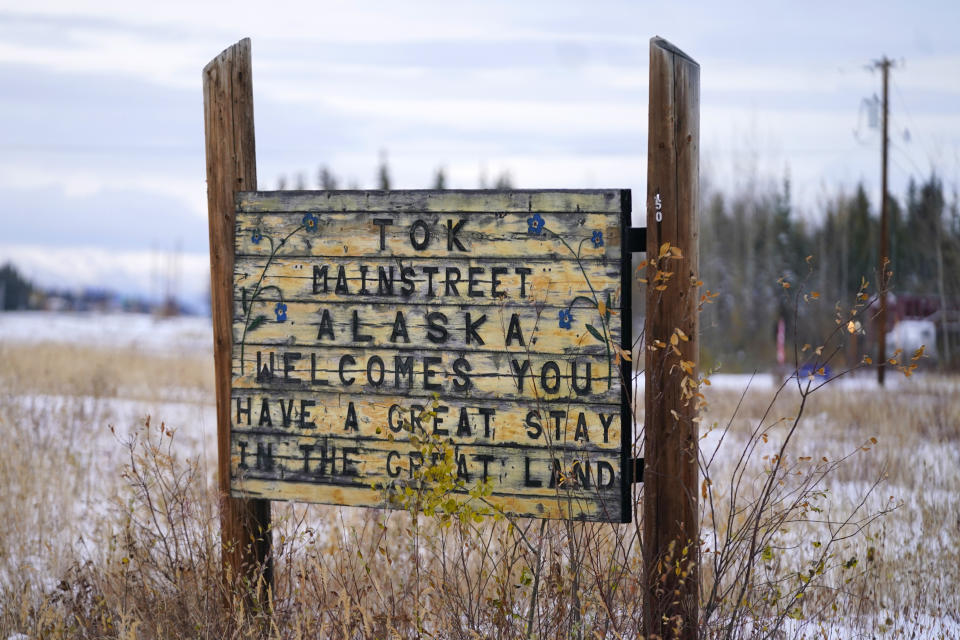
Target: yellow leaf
602	307
682	335
814	295
674	340
664	249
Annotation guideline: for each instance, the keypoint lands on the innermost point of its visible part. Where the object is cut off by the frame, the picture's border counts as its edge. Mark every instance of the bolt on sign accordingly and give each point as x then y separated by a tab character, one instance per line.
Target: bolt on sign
379	335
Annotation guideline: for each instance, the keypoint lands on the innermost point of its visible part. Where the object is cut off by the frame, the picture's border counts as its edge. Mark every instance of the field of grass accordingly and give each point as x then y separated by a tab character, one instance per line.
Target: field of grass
107	459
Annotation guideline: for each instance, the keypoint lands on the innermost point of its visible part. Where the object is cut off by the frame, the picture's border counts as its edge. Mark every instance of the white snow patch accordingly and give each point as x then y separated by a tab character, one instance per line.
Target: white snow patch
182	334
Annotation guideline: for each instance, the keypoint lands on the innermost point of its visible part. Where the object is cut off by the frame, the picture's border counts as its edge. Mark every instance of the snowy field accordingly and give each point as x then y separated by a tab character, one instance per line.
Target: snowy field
186	334
76	387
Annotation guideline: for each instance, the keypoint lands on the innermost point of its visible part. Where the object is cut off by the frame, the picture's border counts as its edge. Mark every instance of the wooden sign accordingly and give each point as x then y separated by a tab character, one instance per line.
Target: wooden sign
376	334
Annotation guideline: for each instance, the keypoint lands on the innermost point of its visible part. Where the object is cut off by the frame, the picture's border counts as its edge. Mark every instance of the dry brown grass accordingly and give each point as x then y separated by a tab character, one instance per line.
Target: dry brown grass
78	370
907	563
116	535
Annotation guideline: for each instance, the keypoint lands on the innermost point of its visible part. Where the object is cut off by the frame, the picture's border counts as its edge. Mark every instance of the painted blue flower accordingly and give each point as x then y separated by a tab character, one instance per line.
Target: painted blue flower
256	236
535	224
566	317
597	239
281	311
310	222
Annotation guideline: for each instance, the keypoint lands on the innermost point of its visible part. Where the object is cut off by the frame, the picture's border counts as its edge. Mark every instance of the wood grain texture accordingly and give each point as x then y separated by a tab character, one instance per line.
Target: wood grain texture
671	435
494	438
502	235
351	308
486	421
315	280
420	373
423	201
231	167
417	327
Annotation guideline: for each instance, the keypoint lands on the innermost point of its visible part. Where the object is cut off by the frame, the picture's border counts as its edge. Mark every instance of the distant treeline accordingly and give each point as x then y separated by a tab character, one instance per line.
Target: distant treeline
18	293
753	242
328	181
15	290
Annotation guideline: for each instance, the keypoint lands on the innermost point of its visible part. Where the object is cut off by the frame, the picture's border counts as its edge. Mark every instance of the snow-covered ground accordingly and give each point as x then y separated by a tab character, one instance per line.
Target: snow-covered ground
71	432
83	423
183	334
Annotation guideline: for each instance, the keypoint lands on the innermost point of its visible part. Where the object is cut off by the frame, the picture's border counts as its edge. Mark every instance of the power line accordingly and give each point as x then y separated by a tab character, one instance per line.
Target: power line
915	132
909	158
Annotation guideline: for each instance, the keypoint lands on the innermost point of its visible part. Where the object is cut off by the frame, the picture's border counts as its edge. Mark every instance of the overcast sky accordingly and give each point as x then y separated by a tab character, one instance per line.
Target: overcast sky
101	120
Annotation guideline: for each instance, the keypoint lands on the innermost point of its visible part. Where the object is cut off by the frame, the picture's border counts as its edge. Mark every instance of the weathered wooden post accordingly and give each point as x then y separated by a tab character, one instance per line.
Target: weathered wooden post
231	167
671	531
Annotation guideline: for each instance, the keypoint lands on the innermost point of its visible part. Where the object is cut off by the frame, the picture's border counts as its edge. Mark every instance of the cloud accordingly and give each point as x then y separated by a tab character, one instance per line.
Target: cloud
111	219
101	119
128	272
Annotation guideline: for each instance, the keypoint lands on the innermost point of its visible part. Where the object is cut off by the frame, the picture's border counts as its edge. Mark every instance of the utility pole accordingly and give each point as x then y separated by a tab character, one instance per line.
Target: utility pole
884	65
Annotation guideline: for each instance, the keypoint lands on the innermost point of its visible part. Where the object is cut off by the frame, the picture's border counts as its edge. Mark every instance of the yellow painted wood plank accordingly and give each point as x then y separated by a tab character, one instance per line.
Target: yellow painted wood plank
378	371
512	329
389	282
466	421
334	460
559	506
414	201
480	235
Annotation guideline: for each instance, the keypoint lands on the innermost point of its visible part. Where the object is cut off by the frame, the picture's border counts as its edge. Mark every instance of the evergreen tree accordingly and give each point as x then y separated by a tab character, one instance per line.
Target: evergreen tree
326	180
383	173
440	180
15	290
504	181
